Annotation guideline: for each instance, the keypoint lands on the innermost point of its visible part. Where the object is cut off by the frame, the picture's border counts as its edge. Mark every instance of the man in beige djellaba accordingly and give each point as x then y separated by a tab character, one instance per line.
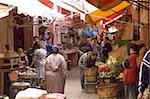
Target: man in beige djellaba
56	70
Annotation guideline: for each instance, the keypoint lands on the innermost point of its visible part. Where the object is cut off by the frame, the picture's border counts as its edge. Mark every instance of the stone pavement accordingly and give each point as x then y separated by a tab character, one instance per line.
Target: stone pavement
73	88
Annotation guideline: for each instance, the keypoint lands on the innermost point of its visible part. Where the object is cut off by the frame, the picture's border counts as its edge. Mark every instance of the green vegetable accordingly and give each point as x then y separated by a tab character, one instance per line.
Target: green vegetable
98	63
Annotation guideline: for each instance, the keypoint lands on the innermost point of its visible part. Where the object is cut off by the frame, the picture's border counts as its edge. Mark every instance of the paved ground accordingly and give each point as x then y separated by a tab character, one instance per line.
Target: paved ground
73	88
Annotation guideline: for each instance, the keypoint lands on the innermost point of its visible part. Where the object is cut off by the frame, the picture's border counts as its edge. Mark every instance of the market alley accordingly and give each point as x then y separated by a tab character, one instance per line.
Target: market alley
73	88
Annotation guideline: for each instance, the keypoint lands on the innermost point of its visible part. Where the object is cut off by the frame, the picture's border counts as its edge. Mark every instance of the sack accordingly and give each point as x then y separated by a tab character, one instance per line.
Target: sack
126	64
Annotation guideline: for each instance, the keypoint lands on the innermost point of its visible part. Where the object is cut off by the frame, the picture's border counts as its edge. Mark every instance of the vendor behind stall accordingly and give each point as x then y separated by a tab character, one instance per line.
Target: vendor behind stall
106	48
88	59
8	52
23	57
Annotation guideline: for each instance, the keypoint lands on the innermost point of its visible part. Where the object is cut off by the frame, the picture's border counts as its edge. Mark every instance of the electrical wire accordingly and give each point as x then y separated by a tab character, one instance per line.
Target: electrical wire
138	4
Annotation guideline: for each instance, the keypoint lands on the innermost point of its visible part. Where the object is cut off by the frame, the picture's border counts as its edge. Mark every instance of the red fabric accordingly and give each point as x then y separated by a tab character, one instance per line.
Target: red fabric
131	74
111	17
47	3
106	2
64	11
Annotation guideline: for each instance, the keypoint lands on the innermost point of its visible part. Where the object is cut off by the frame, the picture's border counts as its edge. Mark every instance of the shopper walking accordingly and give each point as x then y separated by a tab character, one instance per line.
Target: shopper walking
144	77
131	74
56	70
39	61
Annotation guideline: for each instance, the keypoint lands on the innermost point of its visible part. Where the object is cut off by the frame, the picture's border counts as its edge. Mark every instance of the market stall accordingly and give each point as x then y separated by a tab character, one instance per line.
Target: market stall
110	78
72	55
61	24
7	64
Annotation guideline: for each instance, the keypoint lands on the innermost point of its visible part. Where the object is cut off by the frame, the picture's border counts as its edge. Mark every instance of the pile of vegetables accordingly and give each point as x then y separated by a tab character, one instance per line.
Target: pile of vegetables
120	76
28	71
113	67
105	71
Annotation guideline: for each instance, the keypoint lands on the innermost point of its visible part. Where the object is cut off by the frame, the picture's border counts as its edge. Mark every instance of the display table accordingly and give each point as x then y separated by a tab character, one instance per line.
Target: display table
29	78
72	55
7	64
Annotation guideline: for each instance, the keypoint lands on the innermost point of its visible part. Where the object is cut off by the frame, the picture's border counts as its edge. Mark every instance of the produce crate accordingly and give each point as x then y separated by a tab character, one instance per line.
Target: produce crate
90	87
90	74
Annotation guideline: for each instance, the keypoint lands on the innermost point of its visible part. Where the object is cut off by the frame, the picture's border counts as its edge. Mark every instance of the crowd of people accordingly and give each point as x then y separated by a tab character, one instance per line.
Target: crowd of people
136	78
51	66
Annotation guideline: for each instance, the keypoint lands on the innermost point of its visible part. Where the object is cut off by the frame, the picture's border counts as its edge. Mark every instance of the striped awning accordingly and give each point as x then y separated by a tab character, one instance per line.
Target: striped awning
110	13
94	10
51	4
33	8
105	4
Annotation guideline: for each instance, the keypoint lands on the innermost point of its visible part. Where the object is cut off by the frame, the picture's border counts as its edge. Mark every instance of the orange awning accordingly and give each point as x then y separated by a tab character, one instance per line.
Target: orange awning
99	14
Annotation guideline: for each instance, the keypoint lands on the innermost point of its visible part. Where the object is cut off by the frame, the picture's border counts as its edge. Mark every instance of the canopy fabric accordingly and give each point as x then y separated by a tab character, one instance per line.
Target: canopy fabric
99	14
63	5
105	4
4	10
109	9
80	6
50	4
33	8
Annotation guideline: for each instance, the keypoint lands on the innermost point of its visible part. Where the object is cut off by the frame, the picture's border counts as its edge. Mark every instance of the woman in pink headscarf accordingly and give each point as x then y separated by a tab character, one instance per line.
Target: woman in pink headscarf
56	70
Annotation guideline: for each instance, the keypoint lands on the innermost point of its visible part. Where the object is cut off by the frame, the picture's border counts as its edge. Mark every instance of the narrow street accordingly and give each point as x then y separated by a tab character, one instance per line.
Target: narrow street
108	39
73	88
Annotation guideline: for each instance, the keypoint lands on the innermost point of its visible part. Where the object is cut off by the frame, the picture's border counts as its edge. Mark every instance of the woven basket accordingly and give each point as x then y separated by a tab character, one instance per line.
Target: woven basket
90	74
107	91
92	78
90	71
90	87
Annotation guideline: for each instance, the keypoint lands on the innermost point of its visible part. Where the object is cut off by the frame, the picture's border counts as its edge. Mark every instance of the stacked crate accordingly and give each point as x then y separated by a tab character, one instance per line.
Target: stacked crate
90	79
